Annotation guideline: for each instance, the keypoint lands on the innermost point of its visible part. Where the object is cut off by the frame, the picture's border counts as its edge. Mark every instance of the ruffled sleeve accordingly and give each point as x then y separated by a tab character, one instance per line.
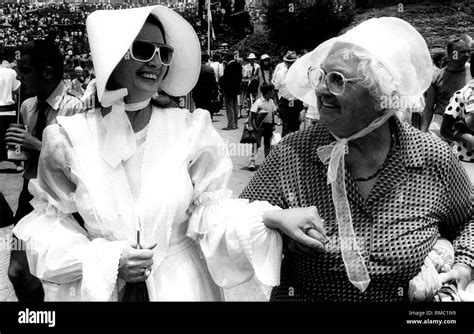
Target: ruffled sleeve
233	239
59	249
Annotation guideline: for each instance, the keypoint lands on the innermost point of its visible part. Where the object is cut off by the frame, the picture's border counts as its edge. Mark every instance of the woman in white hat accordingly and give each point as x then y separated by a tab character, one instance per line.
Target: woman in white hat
384	190
149	181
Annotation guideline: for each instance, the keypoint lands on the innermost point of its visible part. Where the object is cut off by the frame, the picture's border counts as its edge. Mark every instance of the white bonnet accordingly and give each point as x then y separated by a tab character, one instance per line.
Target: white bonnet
392	41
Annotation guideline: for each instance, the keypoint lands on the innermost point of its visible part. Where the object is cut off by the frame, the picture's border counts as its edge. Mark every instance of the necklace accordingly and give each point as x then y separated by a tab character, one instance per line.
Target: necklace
382	167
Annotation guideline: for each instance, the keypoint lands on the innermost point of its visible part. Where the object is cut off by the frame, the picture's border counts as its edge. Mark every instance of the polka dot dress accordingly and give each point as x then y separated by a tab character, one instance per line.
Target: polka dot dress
461	108
422	194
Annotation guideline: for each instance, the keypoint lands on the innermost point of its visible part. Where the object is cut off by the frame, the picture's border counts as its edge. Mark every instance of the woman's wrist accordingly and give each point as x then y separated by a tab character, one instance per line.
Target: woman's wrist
270	219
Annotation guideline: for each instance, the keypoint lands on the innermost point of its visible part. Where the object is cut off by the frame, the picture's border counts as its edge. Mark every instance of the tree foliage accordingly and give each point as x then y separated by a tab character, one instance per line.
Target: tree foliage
303	24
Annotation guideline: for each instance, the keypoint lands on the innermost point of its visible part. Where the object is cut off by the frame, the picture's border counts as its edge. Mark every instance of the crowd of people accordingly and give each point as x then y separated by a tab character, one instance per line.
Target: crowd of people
28	21
125	193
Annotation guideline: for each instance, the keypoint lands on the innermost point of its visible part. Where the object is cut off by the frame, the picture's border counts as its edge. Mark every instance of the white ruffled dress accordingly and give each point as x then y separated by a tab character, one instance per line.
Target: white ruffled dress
205	240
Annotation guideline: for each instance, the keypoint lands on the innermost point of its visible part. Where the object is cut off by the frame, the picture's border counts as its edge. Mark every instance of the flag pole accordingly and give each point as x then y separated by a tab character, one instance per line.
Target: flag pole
209	32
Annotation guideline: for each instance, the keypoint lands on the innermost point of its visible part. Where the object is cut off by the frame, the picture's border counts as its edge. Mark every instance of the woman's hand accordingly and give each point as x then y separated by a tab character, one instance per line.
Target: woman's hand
461	273
302	225
135	264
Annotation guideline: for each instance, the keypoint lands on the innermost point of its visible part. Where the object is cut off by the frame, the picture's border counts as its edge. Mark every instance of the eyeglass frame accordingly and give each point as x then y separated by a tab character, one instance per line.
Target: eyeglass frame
325	76
157	50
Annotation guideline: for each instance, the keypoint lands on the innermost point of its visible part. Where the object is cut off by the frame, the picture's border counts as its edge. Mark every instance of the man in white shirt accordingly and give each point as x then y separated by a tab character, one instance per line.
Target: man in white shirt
289	107
9	86
40	69
251	77
218	68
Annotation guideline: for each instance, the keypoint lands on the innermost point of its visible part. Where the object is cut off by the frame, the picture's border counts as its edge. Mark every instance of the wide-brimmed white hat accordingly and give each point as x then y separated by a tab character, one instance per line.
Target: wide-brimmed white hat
111	32
264	56
396	44
252	56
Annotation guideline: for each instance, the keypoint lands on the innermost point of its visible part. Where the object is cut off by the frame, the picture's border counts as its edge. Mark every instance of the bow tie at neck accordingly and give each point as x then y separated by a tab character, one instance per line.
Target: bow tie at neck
120	143
333	156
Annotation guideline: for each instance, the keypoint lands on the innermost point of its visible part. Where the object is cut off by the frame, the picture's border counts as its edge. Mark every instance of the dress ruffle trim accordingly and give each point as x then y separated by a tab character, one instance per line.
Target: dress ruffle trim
43	203
197	227
262	245
100	264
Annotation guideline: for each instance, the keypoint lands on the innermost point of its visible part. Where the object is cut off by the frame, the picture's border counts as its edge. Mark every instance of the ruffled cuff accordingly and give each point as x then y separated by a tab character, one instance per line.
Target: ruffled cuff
197	226
237	245
45	204
53	244
100	262
262	245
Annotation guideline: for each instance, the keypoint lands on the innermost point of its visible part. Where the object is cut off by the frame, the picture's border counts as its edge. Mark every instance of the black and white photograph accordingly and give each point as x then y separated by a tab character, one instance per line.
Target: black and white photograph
313	158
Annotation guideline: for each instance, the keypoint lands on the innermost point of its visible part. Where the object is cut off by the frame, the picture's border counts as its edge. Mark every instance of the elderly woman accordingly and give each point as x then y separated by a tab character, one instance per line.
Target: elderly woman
385	191
148	181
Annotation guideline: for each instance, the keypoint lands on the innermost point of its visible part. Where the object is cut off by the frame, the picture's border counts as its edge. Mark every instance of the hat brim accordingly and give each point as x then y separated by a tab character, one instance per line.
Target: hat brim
111	32
298	83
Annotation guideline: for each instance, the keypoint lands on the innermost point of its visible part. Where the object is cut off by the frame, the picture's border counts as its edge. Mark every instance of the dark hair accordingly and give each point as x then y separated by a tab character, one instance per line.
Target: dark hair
44	53
153	20
266	87
229	56
216	56
457	39
204	57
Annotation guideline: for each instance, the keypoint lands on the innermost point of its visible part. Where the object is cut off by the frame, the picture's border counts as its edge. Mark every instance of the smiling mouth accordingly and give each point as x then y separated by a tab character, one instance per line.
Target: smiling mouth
329	105
148	76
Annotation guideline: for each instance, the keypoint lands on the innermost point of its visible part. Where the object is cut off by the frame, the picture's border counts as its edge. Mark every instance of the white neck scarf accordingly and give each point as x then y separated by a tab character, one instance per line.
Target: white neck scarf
333	156
120	143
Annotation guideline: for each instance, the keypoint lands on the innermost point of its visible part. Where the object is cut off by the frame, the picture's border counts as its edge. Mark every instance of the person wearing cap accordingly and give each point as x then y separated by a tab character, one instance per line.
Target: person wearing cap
383	191
289	107
446	82
149	180
266	70
250	79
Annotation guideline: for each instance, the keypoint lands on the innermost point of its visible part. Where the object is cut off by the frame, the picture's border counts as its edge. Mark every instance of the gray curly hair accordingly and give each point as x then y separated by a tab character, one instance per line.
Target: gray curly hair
383	86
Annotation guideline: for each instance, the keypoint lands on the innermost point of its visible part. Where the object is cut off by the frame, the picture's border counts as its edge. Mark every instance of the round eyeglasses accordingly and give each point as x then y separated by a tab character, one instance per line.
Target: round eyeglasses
143	51
335	81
